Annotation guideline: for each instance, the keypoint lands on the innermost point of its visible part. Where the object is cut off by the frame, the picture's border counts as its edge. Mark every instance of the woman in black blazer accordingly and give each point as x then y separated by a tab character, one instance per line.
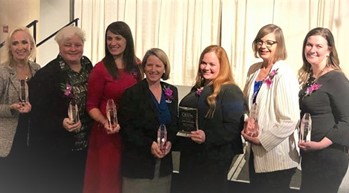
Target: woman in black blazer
206	154
143	108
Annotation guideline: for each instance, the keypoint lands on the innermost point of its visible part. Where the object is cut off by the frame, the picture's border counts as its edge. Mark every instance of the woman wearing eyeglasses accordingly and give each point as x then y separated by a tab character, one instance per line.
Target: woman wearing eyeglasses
271	93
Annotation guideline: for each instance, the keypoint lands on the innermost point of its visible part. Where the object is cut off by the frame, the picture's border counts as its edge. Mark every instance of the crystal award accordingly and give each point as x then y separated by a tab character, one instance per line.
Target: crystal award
73	111
162	137
305	128
252	120
111	113
23	91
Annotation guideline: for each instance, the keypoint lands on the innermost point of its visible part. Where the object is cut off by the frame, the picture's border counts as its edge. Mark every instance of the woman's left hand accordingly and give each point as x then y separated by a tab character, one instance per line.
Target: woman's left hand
198	136
111	129
313	145
71	126
251	139
157	152
22	107
26	107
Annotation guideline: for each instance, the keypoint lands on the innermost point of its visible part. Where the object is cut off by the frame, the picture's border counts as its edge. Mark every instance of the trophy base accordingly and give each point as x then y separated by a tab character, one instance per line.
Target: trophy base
183	134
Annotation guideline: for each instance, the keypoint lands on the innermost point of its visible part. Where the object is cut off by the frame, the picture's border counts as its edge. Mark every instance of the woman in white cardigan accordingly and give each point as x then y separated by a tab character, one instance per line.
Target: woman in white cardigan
271	93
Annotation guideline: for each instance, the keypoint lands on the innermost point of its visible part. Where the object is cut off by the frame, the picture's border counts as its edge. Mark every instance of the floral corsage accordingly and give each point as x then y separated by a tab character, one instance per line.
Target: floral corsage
67	90
168	94
269	79
312	88
199	90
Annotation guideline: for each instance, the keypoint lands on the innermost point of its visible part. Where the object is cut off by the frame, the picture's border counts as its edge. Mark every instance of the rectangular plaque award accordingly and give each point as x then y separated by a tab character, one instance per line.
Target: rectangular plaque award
188	121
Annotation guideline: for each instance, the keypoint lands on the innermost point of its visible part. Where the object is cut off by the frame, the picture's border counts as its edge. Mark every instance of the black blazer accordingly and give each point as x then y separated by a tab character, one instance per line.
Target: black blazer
223	139
139	121
49	108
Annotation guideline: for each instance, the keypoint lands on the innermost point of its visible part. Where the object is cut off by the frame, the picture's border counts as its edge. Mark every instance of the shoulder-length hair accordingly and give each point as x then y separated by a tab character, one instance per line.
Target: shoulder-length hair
162	56
129	58
280	52
225	76
332	61
7	54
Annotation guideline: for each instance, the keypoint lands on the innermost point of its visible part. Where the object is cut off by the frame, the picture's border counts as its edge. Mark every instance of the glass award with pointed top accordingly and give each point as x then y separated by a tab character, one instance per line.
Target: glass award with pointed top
305	128
111	113
23	91
73	111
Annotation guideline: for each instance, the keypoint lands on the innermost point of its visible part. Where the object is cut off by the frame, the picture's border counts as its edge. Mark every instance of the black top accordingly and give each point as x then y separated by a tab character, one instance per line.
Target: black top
223	139
139	120
329	108
50	99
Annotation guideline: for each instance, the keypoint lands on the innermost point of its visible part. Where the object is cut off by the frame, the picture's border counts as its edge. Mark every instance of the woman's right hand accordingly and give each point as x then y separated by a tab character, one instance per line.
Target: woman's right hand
111	129
198	136
251	127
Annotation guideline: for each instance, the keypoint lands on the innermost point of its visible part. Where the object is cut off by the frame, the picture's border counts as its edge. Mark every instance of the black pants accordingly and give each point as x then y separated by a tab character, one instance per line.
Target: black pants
323	171
270	182
201	176
58	173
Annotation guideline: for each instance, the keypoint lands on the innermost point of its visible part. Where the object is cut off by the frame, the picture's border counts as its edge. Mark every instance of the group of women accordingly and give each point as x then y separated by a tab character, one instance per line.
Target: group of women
45	150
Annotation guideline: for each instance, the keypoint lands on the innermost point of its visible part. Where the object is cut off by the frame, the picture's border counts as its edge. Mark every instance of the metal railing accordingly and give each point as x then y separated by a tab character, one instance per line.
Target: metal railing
75	21
33	23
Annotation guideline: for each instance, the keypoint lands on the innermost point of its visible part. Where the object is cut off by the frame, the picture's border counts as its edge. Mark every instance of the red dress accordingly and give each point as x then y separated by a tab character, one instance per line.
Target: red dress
102	173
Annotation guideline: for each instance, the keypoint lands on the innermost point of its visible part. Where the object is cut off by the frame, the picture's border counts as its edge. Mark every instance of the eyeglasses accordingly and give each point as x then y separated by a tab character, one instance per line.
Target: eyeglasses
268	43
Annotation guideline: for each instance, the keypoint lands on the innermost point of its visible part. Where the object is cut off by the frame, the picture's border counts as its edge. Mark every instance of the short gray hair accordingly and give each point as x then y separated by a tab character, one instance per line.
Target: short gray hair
68	32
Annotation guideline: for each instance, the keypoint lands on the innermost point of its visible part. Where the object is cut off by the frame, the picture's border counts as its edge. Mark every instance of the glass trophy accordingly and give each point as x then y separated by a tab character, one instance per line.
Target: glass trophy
23	91
162	137
305	128
252	120
111	113
73	111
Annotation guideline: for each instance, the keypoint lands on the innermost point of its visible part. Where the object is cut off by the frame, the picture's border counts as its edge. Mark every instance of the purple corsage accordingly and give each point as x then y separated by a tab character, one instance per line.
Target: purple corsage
269	79
168	94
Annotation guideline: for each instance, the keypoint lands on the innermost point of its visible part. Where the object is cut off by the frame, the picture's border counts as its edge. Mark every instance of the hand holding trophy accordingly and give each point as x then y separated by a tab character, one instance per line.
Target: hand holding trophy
251	124
73	111
23	91
162	137
23	106
113	125
305	128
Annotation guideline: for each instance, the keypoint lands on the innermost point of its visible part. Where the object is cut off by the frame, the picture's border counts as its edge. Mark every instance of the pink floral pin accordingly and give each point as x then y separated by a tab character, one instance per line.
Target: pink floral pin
68	90
269	79
168	94
134	74
199	90
312	88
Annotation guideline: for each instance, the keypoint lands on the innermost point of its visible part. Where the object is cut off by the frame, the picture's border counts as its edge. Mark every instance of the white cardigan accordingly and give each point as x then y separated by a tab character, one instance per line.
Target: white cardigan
278	114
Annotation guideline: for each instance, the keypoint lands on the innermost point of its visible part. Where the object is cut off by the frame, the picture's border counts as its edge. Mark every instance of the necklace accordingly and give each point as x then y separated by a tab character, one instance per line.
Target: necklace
23	72
319	74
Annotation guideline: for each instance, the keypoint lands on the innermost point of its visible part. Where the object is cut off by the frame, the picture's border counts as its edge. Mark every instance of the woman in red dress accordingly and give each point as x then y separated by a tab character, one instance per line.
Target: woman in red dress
108	80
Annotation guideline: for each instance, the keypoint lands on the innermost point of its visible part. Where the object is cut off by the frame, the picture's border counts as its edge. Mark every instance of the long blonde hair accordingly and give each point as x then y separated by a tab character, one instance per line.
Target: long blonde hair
7	54
225	76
